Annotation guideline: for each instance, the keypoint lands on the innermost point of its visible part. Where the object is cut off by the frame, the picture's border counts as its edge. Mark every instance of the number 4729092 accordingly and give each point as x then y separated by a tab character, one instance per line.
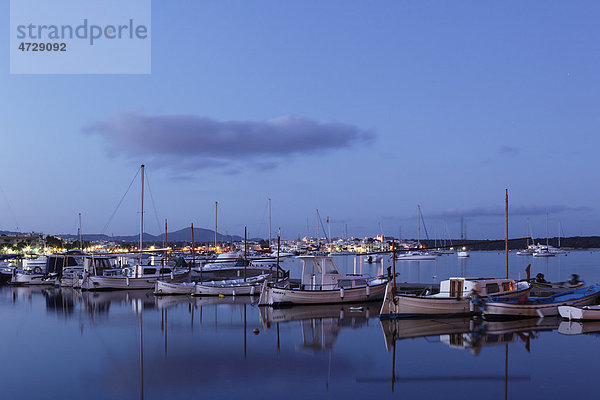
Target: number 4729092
43	46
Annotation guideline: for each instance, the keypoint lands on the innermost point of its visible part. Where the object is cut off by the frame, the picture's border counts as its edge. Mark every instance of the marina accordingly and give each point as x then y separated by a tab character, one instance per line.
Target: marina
194	344
232	200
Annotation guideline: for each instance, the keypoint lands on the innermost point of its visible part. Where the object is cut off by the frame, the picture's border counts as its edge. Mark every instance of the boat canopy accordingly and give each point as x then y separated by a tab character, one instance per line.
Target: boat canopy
319	271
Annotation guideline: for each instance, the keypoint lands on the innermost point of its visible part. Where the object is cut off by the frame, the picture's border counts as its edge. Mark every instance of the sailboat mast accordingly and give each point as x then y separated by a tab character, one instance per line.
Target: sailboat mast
546	229
318	238
216	212
80	234
270	225
193	248
419	225
559	229
165	245
506	230
142	217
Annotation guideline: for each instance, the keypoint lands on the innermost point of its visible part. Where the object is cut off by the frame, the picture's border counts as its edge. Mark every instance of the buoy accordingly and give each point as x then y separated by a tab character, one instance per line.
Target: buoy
221	296
256	331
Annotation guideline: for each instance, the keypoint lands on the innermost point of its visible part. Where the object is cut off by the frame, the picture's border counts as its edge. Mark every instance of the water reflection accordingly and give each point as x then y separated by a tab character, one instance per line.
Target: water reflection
226	348
320	325
471	334
579	327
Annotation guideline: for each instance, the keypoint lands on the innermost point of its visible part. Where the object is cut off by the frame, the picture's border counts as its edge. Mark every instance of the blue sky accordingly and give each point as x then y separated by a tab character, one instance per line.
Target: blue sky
443	104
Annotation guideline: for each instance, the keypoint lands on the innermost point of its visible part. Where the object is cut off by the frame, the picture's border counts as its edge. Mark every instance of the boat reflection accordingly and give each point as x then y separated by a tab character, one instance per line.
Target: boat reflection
467	333
320	325
579	327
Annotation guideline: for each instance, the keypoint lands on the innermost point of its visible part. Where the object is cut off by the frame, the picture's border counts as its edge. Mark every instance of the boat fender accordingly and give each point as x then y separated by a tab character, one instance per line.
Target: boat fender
127	279
172	277
368	291
252	291
342	293
233	292
37	270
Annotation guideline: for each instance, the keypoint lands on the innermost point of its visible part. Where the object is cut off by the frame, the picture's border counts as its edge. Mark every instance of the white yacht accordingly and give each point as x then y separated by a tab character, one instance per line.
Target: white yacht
463	252
100	274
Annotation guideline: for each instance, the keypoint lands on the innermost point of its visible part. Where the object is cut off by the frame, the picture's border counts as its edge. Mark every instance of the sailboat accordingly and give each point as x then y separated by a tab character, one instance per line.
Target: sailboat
136	277
416	255
463	252
543	251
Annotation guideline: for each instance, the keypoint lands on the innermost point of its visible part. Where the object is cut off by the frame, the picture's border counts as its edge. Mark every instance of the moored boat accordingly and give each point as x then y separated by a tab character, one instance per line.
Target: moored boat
541	306
453	299
322	283
416	256
463	252
580	313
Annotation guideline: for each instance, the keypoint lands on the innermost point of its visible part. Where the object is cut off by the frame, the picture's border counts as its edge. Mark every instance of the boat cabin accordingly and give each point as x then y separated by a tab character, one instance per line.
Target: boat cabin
322	273
98	265
463	287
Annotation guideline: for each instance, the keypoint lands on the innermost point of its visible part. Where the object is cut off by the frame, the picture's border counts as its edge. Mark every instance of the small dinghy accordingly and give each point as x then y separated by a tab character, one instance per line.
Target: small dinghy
580	313
229	287
233	287
162	288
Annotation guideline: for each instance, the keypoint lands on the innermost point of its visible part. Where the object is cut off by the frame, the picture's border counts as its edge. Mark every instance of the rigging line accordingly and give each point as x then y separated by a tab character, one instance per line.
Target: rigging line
263	220
323	227
120	201
152	201
12	213
423	221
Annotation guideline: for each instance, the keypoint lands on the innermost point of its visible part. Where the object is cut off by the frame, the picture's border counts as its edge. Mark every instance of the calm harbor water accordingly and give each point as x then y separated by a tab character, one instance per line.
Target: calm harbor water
61	343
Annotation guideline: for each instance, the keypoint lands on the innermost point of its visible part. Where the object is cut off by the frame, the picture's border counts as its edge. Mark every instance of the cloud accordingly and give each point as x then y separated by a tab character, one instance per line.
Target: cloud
191	142
512	211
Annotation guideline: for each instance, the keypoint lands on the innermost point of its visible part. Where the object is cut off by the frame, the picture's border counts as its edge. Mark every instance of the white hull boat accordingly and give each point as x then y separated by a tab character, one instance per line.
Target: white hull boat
463	254
580	313
162	287
371	292
26	279
228	289
233	287
543	253
416	256
542	306
120	282
322	283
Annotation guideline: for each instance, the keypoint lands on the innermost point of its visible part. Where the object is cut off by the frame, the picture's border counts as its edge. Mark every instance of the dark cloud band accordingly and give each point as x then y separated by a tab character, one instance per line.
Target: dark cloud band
200	142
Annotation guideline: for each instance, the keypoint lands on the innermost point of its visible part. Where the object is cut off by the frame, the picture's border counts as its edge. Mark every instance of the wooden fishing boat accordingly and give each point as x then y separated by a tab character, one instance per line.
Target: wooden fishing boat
162	287
233	287
453	299
322	283
541	306
229	287
541	288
